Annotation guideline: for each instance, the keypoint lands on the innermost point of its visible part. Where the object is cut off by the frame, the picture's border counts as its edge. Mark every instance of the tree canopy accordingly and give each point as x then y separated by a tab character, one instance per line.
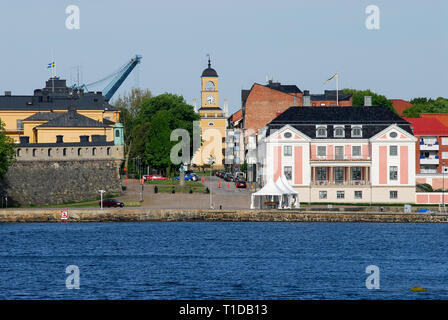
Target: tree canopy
149	124
425	105
377	99
7	150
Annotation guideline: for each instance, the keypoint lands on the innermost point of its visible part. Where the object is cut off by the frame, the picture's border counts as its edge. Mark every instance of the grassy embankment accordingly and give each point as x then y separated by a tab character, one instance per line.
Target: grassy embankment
83	203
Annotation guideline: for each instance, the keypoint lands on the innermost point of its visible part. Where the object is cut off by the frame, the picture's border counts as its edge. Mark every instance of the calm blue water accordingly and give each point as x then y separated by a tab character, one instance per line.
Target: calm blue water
223	260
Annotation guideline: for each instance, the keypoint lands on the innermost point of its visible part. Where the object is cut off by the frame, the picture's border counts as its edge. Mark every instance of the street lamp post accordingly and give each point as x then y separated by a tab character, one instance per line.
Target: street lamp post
211	160
101	192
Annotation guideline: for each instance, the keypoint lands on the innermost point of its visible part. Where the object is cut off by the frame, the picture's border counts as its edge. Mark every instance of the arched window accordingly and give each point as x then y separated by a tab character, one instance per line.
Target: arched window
339	132
79	152
321	132
108	151
34	152
93	151
18	152
356	132
117	133
49	152
64	152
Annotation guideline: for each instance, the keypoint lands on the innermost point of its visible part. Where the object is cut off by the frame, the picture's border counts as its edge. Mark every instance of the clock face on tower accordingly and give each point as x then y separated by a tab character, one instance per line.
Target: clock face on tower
210	100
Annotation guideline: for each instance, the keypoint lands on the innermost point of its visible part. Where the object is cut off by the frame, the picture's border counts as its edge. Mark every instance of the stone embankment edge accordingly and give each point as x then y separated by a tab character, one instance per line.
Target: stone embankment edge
195	215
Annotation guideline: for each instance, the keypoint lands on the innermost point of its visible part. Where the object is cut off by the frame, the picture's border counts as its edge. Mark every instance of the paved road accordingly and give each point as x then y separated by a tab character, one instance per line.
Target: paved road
221	187
224	197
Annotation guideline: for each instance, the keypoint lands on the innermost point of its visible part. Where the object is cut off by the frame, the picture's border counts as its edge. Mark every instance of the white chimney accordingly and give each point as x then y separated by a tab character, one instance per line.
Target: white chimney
226	108
307	101
194	105
367	101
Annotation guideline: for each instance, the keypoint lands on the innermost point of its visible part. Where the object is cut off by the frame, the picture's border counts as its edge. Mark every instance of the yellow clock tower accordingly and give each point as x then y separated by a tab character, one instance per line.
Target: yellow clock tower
209	93
213	121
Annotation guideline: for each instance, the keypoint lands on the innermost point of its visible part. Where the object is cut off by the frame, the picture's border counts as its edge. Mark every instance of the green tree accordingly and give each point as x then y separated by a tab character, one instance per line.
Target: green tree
7	150
424	105
158	144
163	114
129	105
377	99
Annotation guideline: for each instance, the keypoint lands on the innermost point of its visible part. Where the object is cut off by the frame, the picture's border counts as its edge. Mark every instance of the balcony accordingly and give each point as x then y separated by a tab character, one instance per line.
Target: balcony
340	183
429	160
340	158
429	147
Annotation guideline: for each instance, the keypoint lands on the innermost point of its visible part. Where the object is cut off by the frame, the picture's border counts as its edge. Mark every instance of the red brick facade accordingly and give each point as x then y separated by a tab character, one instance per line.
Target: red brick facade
264	104
332	103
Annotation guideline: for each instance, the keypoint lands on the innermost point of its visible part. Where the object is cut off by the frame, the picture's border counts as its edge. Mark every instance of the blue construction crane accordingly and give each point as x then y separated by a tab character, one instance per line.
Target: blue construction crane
118	78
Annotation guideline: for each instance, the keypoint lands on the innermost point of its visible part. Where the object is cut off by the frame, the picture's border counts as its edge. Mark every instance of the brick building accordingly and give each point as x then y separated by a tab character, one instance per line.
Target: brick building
329	99
262	103
431	151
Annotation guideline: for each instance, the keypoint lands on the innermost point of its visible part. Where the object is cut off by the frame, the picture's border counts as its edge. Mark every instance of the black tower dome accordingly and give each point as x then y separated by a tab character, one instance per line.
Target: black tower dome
209	72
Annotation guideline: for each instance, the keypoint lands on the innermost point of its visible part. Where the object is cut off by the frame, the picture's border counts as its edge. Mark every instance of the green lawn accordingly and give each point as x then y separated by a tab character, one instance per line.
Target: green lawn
174	183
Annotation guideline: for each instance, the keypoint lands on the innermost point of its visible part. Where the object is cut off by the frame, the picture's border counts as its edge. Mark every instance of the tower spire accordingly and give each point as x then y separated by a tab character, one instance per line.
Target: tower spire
209	64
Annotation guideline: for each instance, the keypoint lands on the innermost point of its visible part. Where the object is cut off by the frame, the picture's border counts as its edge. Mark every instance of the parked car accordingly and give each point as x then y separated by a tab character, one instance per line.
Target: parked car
241	184
239	175
152	177
188	177
111	203
228	177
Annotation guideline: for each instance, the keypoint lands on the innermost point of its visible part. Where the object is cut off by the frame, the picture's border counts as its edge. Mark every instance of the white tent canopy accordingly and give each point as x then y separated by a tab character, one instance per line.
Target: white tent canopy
291	196
280	191
270	190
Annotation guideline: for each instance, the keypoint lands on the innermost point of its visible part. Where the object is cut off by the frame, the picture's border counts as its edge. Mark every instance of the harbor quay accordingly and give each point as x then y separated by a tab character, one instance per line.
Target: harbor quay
194	215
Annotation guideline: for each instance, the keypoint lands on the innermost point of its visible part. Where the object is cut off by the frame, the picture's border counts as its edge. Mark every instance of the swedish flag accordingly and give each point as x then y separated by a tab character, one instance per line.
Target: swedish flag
51	65
335	75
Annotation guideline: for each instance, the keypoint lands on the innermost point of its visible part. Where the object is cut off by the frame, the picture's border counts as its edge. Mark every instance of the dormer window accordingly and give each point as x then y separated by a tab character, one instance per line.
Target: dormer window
321	131
356	132
339	132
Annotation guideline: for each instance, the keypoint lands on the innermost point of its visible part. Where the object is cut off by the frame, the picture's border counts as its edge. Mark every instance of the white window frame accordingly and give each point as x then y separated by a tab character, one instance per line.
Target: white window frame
19	125
360	151
320	135
393	171
285	153
284	172
395	192
356	135
335	128
358	197
339	193
322	148
396	150
444	155
323	194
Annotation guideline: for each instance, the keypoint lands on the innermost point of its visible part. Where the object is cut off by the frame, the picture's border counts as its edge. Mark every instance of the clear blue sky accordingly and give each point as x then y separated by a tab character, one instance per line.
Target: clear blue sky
293	41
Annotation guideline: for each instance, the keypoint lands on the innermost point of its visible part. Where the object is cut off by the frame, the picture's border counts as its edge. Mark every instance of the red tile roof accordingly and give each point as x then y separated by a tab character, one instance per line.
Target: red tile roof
400	105
237	115
427	126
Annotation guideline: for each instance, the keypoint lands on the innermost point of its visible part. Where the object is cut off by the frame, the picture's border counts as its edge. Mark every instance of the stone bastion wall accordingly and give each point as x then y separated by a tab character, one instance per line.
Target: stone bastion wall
55	181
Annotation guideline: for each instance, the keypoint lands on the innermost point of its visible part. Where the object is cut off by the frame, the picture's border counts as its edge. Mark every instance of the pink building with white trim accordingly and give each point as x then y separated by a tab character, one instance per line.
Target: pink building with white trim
346	155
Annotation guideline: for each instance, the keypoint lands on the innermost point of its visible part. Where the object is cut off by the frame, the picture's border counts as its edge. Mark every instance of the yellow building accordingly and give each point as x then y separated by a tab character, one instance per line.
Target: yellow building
213	121
41	116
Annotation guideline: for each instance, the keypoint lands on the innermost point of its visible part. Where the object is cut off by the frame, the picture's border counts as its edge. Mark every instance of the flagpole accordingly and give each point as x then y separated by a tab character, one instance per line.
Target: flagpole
52	70
337	89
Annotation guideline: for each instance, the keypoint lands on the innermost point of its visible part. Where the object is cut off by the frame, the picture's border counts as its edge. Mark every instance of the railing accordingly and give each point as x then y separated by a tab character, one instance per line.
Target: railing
341	183
340	158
